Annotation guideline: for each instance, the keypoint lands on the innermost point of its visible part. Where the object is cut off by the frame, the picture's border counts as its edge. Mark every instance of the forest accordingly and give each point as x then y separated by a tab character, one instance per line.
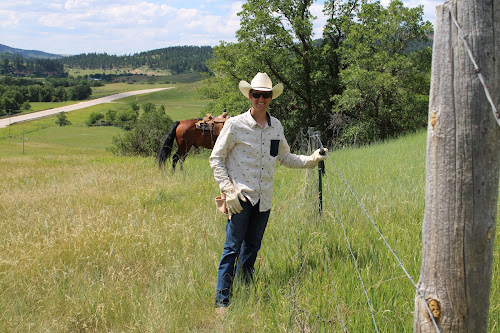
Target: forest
177	59
17	65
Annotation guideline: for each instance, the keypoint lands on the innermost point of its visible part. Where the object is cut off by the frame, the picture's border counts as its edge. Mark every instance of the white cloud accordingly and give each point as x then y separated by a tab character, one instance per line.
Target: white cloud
8	19
128	26
78	4
429	7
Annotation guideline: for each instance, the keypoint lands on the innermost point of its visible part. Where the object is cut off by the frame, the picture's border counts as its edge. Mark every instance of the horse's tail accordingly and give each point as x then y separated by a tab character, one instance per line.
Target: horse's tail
166	149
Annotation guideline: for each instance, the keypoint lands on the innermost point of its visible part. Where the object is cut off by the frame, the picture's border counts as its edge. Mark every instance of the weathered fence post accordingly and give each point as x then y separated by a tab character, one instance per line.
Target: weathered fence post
462	171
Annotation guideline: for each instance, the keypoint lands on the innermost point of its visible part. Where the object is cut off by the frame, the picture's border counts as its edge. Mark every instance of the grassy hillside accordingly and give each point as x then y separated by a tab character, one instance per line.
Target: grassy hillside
95	242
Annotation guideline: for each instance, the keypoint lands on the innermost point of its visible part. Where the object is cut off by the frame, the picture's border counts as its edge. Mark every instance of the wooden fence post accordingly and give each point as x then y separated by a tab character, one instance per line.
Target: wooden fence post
462	171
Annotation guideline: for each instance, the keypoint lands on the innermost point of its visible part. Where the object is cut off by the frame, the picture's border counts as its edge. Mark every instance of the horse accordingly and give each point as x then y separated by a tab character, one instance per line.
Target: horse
188	134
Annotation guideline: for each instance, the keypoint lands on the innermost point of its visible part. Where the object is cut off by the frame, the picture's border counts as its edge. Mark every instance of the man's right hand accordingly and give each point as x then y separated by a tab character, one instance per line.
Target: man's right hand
233	197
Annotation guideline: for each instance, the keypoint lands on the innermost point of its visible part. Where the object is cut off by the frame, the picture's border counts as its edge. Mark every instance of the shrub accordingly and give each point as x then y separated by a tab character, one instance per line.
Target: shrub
79	92
26	106
110	117
126	119
94	119
146	137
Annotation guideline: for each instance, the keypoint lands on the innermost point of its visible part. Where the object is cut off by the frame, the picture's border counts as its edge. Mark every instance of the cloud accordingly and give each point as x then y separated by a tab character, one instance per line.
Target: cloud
429	6
116	26
128	26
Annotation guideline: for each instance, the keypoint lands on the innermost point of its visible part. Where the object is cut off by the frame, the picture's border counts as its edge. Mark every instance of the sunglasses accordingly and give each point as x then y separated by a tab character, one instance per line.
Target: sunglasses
265	95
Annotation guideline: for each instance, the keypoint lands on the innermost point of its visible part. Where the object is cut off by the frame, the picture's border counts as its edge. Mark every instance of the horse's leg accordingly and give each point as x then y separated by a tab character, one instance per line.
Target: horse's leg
181	145
186	137
184	154
182	160
180	155
175	158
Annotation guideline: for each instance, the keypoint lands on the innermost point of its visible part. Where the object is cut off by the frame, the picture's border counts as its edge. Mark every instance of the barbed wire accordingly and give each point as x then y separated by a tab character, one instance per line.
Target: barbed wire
298	314
353	258
476	67
400	263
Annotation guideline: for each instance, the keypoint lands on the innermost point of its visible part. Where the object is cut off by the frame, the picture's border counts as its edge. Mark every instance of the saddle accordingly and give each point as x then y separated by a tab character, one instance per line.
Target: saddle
212	124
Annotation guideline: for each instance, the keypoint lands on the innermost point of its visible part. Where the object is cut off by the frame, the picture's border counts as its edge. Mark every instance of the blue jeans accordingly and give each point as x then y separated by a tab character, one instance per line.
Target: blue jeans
244	232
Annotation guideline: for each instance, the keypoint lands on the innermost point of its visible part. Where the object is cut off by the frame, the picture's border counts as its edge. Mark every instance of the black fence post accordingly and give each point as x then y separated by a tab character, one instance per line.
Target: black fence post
321	172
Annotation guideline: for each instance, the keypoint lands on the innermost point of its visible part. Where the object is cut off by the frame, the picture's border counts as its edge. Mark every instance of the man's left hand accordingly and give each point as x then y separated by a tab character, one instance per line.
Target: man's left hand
316	157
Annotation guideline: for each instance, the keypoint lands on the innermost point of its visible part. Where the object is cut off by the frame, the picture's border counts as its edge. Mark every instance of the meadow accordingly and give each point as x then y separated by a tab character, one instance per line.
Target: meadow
93	242
181	102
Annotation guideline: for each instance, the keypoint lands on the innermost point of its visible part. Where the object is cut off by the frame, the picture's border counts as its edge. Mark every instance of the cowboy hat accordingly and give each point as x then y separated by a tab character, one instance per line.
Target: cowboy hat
260	82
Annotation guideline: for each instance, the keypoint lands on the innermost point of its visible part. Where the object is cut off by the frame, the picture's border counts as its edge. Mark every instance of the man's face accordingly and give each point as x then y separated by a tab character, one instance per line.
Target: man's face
260	100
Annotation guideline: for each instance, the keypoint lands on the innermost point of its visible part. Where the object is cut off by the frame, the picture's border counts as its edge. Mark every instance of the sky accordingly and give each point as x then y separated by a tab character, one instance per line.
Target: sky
122	27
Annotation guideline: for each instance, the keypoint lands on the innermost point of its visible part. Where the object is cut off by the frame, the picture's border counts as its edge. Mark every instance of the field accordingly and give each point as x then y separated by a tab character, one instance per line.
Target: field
184	102
93	242
181	102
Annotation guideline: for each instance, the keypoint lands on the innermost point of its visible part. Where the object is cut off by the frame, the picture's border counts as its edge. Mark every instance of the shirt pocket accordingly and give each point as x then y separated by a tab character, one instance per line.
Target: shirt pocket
274	147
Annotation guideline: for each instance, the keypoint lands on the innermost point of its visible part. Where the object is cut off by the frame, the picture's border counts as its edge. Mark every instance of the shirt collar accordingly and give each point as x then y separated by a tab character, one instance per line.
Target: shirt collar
252	121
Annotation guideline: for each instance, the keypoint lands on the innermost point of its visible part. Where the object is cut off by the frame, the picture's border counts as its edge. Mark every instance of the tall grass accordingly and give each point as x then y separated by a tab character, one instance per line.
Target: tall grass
95	242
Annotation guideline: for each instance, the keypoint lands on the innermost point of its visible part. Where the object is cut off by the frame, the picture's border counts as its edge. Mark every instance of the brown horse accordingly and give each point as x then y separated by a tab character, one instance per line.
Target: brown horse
188	135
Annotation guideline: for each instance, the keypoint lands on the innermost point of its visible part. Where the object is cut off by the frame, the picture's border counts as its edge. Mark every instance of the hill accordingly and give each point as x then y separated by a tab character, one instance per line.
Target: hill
176	59
10	51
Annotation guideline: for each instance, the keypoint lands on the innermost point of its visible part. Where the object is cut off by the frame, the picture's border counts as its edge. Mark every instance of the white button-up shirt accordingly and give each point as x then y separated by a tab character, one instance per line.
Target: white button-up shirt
245	156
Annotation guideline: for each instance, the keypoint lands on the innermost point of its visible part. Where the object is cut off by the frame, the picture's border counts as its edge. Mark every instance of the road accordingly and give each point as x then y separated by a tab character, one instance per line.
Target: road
40	114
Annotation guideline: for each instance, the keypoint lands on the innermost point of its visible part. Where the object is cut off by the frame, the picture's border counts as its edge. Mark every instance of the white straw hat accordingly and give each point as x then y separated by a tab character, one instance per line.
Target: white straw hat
260	82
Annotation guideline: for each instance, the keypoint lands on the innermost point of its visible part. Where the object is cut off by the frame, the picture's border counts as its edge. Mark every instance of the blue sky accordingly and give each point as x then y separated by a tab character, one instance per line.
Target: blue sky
128	26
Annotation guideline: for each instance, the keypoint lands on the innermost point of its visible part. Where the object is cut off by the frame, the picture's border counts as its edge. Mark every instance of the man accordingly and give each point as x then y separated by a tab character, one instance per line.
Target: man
243	160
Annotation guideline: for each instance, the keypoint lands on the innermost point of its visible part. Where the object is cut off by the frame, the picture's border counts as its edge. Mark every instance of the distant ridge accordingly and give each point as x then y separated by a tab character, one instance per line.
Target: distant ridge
28	53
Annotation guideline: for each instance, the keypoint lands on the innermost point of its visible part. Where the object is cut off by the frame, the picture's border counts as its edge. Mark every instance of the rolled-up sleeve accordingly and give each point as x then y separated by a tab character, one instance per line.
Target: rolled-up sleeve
286	158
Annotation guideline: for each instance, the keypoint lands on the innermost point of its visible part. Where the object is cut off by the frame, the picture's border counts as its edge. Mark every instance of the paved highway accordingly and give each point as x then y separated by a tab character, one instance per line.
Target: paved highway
40	114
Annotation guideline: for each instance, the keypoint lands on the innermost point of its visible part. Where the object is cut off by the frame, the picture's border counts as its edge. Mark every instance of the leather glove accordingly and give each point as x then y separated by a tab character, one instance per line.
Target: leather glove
233	197
315	158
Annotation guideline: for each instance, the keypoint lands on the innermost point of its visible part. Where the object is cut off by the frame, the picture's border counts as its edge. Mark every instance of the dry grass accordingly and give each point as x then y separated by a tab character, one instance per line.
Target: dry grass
91	242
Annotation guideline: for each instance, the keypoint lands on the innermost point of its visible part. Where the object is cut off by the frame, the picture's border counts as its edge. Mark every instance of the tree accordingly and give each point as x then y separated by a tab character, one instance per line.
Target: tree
385	86
9	104
26	106
277	37
110	117
148	107
60	94
80	92
135	106
327	80
62	119
126	118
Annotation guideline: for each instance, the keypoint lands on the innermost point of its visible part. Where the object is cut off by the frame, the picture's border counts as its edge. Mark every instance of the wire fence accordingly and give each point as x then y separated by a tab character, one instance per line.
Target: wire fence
477	69
336	215
315	137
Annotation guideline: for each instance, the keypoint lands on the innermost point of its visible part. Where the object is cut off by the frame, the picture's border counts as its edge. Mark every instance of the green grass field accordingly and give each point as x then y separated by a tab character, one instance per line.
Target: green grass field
95	242
181	102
